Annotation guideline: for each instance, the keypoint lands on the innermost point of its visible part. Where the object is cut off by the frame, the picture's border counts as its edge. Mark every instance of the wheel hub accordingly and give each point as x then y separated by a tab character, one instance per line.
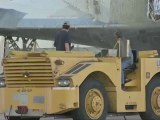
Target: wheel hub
155	101
94	103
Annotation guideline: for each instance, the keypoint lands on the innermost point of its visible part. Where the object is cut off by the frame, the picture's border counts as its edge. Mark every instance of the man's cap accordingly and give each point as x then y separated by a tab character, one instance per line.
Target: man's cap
118	34
66	23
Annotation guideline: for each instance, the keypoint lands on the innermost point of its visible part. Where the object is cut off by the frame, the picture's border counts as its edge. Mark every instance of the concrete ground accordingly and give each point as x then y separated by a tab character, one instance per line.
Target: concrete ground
132	117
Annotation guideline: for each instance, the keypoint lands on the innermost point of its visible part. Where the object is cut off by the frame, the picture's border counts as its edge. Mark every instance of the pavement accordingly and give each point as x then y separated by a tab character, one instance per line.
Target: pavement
131	117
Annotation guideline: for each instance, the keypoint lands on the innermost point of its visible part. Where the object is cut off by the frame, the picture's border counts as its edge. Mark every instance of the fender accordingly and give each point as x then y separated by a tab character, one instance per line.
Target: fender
111	70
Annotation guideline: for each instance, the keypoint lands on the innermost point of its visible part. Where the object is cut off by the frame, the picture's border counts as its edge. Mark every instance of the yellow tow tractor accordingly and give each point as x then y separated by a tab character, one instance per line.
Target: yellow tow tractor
37	84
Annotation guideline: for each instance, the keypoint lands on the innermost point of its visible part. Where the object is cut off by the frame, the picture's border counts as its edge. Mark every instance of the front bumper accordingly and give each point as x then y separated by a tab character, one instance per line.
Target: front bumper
11	112
40	101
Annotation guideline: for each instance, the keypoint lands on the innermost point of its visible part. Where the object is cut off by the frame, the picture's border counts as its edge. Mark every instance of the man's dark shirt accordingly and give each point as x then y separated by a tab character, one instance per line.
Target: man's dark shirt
61	38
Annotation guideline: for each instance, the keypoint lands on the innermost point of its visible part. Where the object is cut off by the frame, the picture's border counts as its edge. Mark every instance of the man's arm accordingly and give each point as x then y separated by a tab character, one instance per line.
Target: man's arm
67	47
67	42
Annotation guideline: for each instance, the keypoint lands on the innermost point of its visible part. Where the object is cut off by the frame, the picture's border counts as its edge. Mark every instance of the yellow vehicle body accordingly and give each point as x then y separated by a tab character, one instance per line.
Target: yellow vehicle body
32	80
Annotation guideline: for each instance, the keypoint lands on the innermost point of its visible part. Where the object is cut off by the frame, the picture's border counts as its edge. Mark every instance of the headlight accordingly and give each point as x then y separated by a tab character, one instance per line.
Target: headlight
2	83
64	82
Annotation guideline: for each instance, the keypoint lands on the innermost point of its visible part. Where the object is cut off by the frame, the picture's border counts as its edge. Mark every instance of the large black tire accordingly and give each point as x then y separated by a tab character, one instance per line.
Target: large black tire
93	101
152	98
21	118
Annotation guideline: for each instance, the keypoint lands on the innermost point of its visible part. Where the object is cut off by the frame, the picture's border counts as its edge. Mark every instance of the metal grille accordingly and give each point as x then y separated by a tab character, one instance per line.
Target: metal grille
28	72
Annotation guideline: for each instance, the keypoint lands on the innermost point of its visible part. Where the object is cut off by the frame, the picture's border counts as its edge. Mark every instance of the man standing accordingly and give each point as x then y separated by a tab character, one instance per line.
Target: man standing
127	60
62	38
